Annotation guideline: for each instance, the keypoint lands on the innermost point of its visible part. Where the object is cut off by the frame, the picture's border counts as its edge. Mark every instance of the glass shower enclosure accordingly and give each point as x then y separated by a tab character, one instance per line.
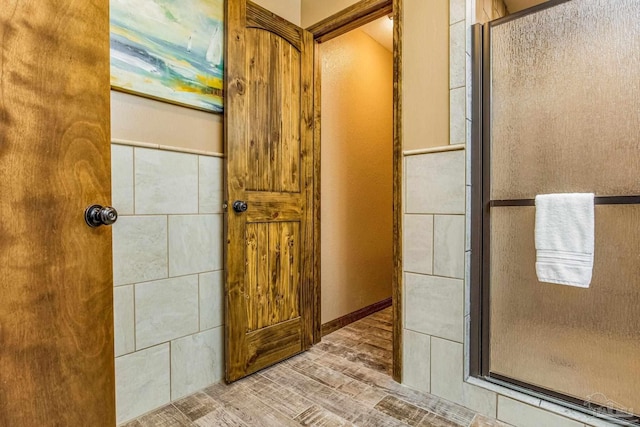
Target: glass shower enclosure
557	105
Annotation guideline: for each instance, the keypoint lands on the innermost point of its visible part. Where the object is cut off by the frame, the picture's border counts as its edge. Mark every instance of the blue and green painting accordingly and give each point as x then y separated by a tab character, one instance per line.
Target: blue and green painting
169	50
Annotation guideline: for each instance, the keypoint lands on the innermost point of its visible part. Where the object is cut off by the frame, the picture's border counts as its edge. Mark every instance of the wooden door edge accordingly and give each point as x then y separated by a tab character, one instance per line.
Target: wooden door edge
346	20
397	286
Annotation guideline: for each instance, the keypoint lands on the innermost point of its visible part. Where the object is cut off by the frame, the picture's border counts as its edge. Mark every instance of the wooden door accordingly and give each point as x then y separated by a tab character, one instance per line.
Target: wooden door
56	300
269	131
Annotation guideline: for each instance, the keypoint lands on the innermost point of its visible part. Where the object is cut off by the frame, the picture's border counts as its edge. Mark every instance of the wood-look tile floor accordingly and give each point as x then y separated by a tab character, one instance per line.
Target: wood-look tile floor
343	381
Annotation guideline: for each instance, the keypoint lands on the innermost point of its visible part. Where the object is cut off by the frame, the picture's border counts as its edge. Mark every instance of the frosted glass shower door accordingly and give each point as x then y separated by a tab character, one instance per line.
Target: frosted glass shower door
565	117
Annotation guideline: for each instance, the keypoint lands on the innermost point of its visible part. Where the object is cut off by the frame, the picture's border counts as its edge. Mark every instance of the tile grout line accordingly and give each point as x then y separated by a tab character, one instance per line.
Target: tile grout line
177	338
430	361
435	275
168	247
167	278
433	246
135	332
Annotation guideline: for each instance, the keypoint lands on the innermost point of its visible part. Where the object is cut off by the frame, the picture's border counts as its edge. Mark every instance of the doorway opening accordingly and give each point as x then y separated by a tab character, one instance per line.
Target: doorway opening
357	201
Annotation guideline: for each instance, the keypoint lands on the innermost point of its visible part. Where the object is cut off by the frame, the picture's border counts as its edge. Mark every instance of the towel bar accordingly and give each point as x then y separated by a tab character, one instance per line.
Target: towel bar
602	200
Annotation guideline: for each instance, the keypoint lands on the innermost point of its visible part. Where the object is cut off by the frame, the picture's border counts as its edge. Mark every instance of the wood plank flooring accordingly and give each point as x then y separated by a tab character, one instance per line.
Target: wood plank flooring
342	381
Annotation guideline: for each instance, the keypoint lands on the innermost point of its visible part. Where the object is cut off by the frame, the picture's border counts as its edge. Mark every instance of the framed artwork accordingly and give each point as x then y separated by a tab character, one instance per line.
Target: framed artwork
169	50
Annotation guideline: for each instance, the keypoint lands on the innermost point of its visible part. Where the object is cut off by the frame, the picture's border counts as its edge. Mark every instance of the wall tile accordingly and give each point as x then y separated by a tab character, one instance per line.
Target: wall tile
446	370
139	249
588	420
434	306
211	300
467	283
471	15
210	184
448	246
457	55
469	153
195	244
467	343
124	320
418	243
467	233
165	182
435	183
457	10
416	360
523	415
468	90
457	115
480	400
503	391
468	45
142	382
122	179
196	362
165	310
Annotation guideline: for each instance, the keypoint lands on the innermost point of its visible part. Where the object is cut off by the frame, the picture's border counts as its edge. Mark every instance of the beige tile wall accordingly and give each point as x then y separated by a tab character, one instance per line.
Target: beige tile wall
437	252
168	281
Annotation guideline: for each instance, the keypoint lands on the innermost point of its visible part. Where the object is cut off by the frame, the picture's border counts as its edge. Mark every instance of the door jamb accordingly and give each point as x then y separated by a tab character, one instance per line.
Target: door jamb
337	24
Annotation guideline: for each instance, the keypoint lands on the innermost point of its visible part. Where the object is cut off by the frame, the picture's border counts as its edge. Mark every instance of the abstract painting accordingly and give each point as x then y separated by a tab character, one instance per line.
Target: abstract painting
169	50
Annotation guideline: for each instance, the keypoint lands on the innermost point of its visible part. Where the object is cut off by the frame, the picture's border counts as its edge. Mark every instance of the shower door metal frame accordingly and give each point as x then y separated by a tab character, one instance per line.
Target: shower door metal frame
481	204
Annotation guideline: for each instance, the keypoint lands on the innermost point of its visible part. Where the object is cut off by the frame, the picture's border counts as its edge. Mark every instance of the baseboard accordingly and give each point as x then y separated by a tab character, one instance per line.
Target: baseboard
343	321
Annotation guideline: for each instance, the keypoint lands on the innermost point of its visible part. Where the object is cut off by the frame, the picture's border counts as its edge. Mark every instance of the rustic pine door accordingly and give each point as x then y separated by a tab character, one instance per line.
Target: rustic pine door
269	131
56	290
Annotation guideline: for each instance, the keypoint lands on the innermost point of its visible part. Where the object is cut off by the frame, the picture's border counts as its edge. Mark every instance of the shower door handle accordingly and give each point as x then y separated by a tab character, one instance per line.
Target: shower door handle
97	215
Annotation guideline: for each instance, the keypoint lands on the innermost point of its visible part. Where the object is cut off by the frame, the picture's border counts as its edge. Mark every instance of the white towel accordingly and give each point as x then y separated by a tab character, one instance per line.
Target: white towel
564	238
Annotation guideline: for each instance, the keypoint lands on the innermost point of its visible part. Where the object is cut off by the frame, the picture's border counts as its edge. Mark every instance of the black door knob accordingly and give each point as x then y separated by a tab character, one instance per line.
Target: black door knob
97	215
239	206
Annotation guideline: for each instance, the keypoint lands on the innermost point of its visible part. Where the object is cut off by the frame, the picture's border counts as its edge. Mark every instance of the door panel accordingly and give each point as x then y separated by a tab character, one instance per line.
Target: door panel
56	310
269	124
273	273
274	105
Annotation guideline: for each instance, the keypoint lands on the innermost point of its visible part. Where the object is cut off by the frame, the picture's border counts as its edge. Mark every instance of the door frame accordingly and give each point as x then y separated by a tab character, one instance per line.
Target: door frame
335	25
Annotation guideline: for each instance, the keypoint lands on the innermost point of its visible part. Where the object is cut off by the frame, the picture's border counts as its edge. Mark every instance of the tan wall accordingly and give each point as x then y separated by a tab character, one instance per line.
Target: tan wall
316	10
425	68
287	9
425	59
138	119
487	10
357	79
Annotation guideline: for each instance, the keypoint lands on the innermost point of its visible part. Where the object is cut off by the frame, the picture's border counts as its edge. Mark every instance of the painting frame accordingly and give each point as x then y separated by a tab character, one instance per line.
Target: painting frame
169	50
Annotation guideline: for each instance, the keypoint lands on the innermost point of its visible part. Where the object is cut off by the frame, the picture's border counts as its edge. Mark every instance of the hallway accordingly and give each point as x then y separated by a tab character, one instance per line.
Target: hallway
343	381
